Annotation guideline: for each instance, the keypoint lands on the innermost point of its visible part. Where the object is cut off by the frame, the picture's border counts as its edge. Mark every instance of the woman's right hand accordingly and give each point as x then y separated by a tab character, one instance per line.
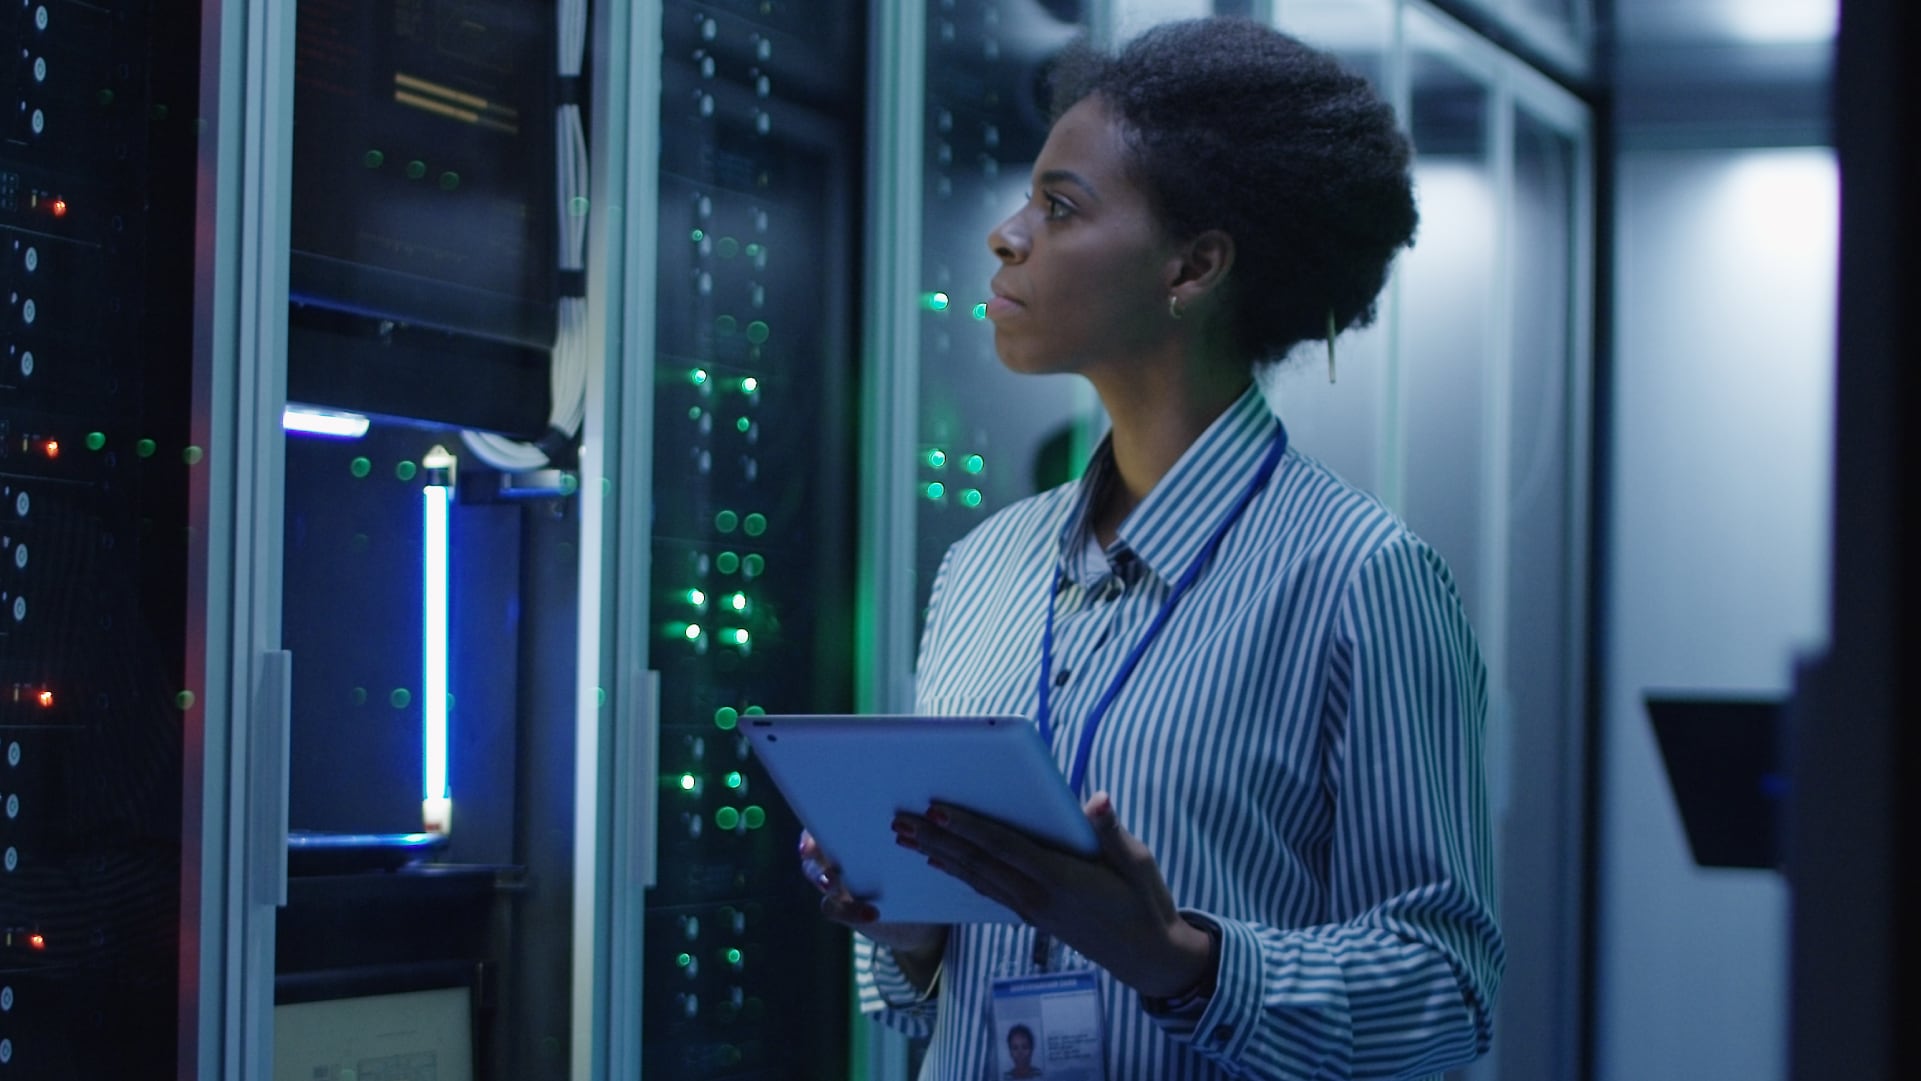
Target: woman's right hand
911	942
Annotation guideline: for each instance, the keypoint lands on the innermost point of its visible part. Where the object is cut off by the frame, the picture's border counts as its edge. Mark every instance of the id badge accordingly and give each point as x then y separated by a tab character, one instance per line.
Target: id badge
1049	1026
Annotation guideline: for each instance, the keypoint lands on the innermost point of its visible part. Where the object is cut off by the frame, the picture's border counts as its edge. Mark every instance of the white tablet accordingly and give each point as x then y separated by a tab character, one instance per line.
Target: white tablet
845	777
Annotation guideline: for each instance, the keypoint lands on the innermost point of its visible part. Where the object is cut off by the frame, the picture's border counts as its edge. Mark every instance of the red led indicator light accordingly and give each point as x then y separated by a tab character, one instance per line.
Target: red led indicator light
46	699
37	941
51	448
59	208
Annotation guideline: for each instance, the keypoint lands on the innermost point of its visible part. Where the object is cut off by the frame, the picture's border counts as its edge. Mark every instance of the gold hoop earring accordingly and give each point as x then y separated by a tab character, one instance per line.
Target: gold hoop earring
1173	305
1331	331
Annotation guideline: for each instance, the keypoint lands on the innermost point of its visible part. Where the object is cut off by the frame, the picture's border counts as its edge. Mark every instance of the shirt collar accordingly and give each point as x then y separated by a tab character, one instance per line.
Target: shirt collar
1167	529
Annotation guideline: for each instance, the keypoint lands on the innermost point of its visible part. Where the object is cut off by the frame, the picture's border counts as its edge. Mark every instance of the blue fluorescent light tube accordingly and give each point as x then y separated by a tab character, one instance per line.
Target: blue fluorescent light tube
324	422
436	797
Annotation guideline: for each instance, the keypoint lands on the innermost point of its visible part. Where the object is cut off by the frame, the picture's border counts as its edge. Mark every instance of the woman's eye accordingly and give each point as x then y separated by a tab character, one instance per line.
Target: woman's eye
1056	208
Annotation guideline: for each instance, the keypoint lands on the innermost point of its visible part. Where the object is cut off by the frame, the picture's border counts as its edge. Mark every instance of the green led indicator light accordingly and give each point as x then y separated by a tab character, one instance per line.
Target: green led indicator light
937	459
684	960
734	779
401	698
360	467
755	525
692	632
733	956
416	169
755	817
755	565
569	483
726	717
980	311
727	562
934	302
749	385
738	602
697	235
726	521
184	700
743	425
406	470
727	247
936	490
696	598
727	818
449	180
726	325
192	455
754	711
757	332
578	206
687	782
740	637
971	497
698	377
754	250
145	448
693	412
373	159
358	696
96	440
974	464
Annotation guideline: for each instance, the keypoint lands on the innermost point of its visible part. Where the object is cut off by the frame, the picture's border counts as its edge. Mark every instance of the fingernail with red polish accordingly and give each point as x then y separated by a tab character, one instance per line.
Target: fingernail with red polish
937	816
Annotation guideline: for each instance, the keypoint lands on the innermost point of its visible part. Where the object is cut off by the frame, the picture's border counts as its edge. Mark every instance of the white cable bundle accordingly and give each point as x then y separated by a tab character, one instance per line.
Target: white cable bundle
568	366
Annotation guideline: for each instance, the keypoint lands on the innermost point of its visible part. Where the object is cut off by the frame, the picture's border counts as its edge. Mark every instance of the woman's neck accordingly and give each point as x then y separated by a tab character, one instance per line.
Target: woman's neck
1154	422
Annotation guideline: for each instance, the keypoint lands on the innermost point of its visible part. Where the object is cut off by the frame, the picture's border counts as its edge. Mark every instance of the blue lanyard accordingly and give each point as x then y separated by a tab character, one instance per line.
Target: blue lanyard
1043	717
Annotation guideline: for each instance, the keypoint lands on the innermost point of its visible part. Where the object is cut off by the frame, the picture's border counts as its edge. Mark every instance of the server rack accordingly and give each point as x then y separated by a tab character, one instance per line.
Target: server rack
752	513
97	217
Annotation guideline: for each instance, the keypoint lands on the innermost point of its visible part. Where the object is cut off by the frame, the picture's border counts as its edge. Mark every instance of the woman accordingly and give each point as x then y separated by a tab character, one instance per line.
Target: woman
1253	666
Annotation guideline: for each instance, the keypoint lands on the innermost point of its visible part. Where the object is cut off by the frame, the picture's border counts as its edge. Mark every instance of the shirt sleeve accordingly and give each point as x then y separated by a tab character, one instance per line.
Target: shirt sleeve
1400	982
887	995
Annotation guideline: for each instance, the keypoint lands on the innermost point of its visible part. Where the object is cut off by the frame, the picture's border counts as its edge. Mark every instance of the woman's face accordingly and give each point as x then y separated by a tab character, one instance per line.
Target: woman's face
1020	1047
1084	265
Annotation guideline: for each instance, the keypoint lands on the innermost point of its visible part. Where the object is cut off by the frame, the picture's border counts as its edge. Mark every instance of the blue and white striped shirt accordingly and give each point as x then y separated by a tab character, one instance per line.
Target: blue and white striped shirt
1300	748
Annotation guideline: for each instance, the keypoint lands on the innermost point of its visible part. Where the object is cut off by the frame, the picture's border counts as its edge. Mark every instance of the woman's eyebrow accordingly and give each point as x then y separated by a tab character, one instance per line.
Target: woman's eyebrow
1068	176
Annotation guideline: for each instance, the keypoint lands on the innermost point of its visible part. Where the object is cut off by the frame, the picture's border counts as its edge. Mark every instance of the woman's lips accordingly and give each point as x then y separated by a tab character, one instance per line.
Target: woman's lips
998	306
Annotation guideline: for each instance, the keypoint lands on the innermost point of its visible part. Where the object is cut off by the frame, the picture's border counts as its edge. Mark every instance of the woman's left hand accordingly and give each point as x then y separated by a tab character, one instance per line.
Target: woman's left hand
1113	908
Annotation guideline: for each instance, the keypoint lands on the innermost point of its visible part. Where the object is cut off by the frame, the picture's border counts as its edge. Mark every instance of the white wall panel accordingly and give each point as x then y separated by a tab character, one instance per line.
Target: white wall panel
1719	551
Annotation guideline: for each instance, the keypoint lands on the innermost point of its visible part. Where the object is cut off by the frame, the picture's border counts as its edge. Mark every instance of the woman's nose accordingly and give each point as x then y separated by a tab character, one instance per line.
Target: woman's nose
1007	241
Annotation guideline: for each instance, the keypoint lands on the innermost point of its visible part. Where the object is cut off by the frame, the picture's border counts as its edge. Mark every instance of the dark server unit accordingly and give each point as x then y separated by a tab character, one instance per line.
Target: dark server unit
762	121
97	222
988	436
423	234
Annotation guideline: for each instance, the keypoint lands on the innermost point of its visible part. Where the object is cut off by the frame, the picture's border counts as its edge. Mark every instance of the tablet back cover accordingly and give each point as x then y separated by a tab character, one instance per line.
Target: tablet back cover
845	776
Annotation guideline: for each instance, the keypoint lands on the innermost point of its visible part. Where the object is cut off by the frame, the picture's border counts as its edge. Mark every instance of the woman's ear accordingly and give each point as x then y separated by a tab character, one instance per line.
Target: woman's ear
1201	267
